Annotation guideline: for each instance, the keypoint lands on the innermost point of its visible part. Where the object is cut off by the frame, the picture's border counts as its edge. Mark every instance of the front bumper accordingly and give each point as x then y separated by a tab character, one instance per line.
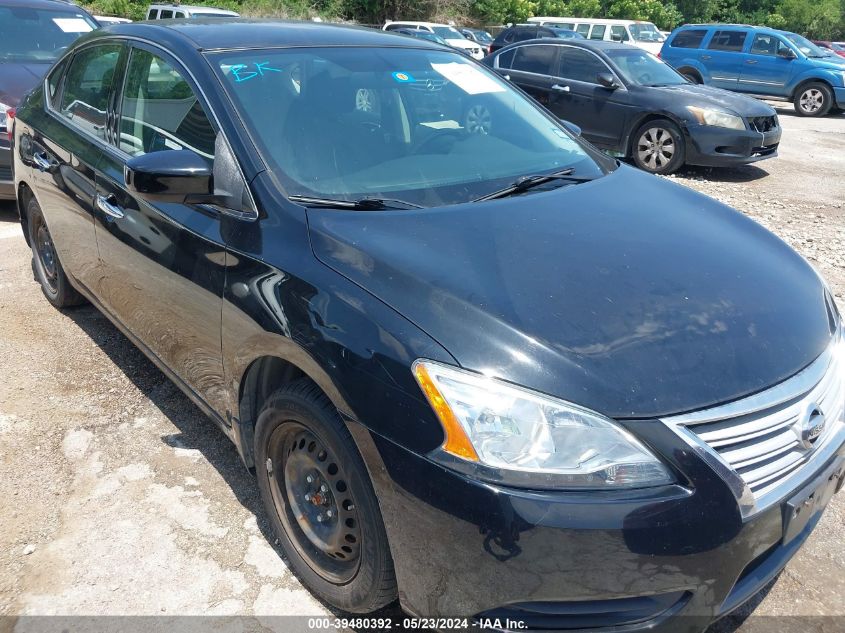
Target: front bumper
715	147
668	559
7	183
839	95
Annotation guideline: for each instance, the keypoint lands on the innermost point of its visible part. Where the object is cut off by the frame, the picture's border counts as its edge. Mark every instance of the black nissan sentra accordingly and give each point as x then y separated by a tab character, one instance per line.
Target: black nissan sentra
475	364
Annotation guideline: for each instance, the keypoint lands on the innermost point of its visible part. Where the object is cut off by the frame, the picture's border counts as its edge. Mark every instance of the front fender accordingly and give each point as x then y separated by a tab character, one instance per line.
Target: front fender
833	78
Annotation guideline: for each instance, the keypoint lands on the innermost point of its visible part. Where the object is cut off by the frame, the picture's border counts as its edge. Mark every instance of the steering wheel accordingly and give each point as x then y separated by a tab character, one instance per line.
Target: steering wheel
645	78
438	137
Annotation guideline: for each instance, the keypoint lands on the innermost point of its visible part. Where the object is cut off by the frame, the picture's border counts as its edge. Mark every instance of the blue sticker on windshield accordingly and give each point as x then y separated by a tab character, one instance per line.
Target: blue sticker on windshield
403	78
245	72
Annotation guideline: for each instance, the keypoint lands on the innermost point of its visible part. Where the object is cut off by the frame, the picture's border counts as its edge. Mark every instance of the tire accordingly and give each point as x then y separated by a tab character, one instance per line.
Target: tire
46	266
659	147
338	548
693	76
814	99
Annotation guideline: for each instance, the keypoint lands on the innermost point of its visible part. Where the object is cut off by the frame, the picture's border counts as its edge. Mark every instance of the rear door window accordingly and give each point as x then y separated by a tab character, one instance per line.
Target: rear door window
597	33
166	14
583	29
87	87
728	41
539	59
690	38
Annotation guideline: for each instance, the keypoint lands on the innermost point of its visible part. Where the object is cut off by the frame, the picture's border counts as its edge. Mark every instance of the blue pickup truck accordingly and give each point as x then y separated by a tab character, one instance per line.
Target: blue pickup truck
759	61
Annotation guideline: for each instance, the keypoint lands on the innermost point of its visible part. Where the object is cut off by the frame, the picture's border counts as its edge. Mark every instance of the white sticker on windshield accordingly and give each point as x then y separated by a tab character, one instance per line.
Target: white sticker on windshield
468	78
73	25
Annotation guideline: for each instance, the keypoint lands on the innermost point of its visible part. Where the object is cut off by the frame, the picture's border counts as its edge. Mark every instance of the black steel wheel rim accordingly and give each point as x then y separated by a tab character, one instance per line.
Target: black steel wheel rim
314	502
46	255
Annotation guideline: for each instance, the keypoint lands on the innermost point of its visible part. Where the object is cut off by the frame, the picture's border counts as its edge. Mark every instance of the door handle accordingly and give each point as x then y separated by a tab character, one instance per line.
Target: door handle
41	161
750	61
107	205
706	57
560	88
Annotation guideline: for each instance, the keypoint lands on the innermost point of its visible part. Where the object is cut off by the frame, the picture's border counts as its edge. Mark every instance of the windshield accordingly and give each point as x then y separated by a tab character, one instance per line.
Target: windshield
642	68
448	32
428	127
195	14
483	37
39	35
645	32
426	35
805	46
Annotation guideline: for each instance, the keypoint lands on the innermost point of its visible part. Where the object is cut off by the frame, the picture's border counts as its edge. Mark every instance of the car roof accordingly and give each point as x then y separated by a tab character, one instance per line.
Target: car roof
232	33
42	4
594	45
415	23
191	7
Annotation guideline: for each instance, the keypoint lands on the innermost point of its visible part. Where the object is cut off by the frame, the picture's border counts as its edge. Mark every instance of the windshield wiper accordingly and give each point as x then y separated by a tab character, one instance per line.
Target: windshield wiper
362	204
527	182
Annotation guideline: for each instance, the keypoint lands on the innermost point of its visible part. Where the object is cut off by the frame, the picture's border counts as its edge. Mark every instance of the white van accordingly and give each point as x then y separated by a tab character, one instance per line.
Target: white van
641	34
452	35
168	11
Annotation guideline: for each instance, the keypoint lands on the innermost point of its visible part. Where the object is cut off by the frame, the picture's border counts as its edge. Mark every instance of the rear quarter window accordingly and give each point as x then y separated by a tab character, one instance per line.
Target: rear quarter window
691	38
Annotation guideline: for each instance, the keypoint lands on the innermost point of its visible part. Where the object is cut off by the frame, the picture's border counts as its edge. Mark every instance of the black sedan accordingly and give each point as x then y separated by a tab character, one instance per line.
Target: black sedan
631	104
487	370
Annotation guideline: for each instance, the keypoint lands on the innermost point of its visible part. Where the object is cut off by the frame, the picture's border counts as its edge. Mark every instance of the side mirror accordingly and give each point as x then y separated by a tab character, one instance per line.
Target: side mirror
571	127
607	80
616	37
786	53
172	175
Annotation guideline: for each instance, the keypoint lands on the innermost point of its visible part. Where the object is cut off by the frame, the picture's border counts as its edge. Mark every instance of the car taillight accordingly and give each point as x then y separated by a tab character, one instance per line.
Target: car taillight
10	120
490	49
658	54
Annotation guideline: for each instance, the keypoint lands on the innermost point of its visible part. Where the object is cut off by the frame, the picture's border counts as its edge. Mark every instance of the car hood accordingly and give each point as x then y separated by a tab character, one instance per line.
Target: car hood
630	295
707	96
17	79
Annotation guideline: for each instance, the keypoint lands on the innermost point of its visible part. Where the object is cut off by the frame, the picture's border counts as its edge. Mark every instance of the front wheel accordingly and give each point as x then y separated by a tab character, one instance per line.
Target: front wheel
320	500
814	99
659	147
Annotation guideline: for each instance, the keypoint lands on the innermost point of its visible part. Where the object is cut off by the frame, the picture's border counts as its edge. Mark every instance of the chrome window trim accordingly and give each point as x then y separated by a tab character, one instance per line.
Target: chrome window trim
622	84
798	386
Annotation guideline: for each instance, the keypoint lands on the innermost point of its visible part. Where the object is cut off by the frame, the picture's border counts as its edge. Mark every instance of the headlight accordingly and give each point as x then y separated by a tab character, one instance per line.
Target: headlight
3	115
716	118
505	433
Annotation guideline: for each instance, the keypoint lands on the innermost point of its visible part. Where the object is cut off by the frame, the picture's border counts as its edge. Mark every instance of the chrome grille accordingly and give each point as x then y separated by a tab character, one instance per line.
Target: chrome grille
756	443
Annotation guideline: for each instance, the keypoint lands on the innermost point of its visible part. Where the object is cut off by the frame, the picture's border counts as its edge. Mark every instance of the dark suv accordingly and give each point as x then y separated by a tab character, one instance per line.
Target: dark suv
523	32
490	372
33	33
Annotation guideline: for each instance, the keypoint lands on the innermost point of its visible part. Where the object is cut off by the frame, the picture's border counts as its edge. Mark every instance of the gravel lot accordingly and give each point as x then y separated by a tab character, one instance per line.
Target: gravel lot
118	497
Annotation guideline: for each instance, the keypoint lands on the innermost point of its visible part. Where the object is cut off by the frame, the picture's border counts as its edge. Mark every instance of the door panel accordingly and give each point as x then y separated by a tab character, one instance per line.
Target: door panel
600	113
532	67
65	156
163	263
723	58
764	71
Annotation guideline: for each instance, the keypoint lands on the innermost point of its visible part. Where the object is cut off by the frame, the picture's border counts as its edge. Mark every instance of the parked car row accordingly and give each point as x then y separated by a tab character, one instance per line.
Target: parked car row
484	369
630	103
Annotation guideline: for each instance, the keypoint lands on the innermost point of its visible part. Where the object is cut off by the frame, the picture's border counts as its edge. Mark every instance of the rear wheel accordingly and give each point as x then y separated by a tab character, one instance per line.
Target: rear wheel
45	261
321	503
659	147
813	99
692	76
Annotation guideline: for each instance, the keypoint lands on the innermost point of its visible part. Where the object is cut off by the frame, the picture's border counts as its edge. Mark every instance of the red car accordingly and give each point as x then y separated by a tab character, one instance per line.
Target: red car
837	48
